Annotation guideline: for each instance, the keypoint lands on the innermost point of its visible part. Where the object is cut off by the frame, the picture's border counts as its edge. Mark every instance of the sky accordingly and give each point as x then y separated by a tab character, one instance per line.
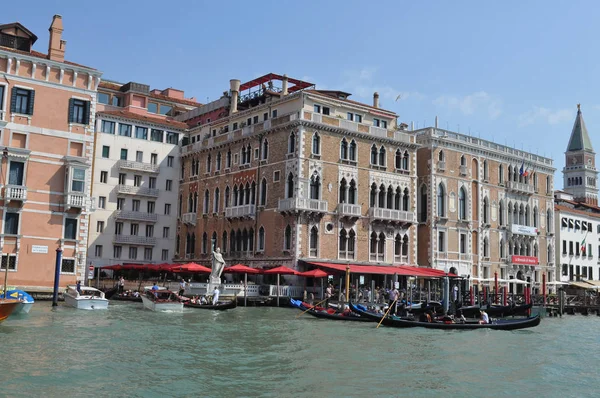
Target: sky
510	71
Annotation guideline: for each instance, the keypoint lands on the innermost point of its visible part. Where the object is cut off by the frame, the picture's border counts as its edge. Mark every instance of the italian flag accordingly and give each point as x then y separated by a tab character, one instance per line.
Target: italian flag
583	244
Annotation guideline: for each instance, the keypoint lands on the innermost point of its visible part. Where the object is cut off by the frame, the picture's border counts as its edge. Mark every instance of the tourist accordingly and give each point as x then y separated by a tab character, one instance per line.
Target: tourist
327	295
121	285
136	294
367	295
203	300
484	318
377	295
155	286
215	299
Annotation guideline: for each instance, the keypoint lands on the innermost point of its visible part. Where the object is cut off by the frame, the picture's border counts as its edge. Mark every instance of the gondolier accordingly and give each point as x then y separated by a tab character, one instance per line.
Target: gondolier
393	297
182	287
215	298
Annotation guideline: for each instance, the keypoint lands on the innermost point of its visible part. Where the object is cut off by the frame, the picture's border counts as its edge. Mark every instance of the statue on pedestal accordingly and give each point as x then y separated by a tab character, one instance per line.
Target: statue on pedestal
218	264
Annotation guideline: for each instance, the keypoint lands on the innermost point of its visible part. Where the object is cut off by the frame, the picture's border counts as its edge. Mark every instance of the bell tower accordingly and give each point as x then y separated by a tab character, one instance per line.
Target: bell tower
580	176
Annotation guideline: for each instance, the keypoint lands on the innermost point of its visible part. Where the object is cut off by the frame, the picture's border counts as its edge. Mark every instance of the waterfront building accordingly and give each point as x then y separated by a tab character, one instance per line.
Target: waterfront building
277	172
47	114
577	211
136	173
484	208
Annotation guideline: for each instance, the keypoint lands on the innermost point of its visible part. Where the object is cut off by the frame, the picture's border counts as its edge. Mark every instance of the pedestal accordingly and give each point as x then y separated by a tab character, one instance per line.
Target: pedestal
212	283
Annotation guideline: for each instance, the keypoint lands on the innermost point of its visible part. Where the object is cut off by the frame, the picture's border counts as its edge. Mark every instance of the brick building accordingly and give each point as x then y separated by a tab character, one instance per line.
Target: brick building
47	112
484	208
278	172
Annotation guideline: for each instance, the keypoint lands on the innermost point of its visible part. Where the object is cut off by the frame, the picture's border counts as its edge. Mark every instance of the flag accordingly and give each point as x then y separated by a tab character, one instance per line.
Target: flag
526	172
521	170
583	244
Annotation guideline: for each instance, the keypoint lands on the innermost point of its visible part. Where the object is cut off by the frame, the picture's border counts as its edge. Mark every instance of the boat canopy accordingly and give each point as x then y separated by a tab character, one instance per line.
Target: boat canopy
402	270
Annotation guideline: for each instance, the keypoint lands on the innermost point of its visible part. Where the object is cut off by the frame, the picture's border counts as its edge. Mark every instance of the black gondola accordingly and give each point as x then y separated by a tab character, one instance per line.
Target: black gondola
390	320
118	297
496	310
338	316
220	306
498	324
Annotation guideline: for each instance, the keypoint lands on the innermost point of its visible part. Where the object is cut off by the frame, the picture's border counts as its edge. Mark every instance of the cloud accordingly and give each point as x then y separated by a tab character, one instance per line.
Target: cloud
471	103
544	115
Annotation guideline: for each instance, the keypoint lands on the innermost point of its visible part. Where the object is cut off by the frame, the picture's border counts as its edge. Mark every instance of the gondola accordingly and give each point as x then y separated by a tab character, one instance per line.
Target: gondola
118	297
390	320
496	310
220	306
498	324
338	316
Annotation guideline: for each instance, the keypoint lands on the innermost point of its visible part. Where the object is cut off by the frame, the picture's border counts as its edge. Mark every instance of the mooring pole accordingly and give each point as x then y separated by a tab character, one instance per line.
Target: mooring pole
56	276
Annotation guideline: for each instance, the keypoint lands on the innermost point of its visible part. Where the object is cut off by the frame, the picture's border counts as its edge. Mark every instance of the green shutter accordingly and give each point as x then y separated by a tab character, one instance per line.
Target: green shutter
71	109
13	100
31	100
86	113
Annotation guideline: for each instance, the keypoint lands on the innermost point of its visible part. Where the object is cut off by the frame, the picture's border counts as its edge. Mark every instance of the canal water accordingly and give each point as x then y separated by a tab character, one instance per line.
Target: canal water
266	352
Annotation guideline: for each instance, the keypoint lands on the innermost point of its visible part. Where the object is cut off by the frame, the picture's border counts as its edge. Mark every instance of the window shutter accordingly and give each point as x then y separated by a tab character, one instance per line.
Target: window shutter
86	113
31	100
13	100
71	109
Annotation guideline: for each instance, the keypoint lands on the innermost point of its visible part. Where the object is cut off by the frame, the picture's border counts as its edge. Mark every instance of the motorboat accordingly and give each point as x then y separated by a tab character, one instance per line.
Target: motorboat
25	301
162	300
7	307
85	298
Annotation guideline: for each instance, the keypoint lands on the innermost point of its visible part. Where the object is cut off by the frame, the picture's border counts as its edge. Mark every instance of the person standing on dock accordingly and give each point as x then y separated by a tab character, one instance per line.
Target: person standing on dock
182	287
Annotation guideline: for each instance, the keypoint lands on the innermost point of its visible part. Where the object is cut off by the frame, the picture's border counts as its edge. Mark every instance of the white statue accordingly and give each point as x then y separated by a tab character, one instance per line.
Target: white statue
217	265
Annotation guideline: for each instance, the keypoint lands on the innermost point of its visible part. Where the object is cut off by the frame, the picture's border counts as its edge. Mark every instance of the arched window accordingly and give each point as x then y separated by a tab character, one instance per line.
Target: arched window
521	215
251	240
195	202
535	250
550	254
486	247
226	200
290	186
441	201
527	215
247	194
239	238
344	149
208	163
265	149
342	191
224	242
398	248
177	244
180	205
486	210
374	154
462	204
188	243
253	193
214	240
261	239
406	200
381	247
316	144
228	159
204	243
245	240
502	249
486	170
315	187
463	160
398	159
501	174
343	244
382	156
287	238
352	151
292	143
501	212
193	169
390	197
236	198
535	217
263	192
206	202
510	172
441	156
549	224
406	161
191	203
232	242
373	246
398	199
373	196
423	203
405	249
193	244
314	241
218	161
216	201
516	213
352	192
351	244
381	203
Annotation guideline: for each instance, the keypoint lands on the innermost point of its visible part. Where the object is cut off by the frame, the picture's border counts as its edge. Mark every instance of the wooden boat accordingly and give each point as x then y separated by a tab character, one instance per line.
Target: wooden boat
497	324
89	299
25	299
336	316
220	306
7	307
119	297
162	300
389	320
496	310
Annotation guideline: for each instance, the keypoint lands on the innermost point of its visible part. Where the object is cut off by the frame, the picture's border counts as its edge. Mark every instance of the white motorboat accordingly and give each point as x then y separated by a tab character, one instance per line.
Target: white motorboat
89	299
162	300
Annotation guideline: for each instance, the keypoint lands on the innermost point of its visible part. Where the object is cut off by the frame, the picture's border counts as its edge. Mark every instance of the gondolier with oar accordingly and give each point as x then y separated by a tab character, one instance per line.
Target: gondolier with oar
394	293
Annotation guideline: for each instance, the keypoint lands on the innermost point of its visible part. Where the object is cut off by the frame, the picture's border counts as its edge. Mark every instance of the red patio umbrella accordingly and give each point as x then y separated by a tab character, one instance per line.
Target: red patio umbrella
315	273
243	269
193	268
281	270
137	267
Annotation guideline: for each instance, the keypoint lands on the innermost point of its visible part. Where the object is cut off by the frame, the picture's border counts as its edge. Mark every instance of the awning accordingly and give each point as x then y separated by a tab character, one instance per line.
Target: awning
402	270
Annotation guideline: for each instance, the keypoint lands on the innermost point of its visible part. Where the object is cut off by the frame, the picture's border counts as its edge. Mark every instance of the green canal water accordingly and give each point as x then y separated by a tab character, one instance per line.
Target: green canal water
265	352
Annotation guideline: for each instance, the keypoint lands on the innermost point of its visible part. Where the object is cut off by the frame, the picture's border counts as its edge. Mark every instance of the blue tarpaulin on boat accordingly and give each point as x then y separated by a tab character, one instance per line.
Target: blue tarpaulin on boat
19	294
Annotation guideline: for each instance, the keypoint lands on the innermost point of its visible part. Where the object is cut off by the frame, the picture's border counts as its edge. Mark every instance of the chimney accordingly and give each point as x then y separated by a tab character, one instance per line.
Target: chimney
56	46
284	85
436	122
234	86
375	100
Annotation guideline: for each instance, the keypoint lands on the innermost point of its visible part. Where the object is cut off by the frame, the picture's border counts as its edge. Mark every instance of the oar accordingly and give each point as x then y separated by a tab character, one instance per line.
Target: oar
386	313
311	308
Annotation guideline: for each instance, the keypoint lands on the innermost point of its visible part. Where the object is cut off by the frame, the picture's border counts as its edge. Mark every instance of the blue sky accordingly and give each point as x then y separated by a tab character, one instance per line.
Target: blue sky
509	71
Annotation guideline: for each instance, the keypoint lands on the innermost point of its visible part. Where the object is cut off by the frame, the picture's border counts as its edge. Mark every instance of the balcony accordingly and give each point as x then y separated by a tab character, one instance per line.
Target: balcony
136	216
15	193
347	124
390	215
519	187
349	210
189	218
139	191
138	166
243	211
75	200
134	240
301	205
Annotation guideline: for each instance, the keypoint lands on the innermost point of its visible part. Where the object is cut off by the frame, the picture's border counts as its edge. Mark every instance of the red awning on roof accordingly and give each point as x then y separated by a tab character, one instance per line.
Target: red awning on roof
297	84
402	270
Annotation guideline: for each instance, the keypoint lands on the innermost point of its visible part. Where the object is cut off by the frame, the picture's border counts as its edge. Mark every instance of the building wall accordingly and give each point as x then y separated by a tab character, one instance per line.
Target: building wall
571	263
51	148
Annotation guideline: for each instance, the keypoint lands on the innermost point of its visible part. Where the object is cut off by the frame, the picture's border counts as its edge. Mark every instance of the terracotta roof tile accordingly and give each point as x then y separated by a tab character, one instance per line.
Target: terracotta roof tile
116	87
37	54
148	119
